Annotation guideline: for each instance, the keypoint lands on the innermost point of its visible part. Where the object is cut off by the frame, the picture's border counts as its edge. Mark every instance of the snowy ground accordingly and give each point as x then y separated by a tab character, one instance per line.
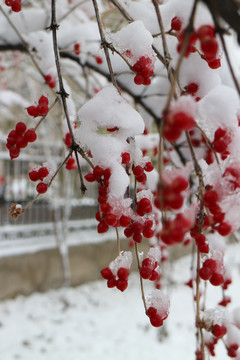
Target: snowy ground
94	322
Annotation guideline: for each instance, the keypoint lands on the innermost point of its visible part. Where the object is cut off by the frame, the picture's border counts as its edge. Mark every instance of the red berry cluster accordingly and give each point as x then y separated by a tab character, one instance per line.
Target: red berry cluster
191	89
77	49
176	123
139	173
19	138
209	45
232	350
14	4
50	80
225	301
71	164
210	344
201	242
173	231
210	199
40	174
210	272
137	230
120	281
156	319
144	70
39	110
191	42
171	194
222	139
148	269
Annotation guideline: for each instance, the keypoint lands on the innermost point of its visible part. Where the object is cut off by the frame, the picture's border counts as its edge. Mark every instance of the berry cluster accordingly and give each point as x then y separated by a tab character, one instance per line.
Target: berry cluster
19	138
117	272
121	281
40	174
50	80
232	350
209	271
210	199
149	269
173	231
176	123
158	308
137	230
201	242
139	173
71	164
209	45
171	194
14	4
39	110
77	49
222	139
144	70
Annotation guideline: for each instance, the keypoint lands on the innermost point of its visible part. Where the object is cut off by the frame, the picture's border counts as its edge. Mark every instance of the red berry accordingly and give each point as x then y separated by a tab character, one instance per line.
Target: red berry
16	6
123	273
102	227
121	284
20	128
125	158
107	273
176	23
192	88
42	173
125	220
77	49
148	233
148	166
214	64
98	171
210	197
138	79
205	273
41	188
98	59
43	100
90	177
224	229
209	47
14	153
137	237
206	31
111	220
156	321
219	331
111	282
145	272
30	135
138	170
33	175
216	279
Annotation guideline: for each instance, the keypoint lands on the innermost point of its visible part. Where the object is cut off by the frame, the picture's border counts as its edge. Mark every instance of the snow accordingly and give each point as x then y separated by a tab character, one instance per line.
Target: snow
92	321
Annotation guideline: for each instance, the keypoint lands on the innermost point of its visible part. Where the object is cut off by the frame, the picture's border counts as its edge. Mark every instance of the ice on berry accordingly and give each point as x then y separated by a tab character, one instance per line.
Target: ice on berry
160	301
124	260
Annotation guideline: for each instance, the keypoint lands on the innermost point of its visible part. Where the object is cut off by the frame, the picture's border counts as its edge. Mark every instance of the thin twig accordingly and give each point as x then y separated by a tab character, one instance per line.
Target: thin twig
118	241
141	280
104	44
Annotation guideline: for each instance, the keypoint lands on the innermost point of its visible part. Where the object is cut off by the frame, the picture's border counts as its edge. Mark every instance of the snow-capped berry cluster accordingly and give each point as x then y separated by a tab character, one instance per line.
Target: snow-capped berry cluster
39	110
117	272
143	69
50	80
150	265
39	174
14	4
158	308
19	138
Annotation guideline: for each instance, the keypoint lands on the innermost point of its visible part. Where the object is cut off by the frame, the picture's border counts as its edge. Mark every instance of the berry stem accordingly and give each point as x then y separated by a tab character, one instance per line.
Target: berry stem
141	280
118	241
